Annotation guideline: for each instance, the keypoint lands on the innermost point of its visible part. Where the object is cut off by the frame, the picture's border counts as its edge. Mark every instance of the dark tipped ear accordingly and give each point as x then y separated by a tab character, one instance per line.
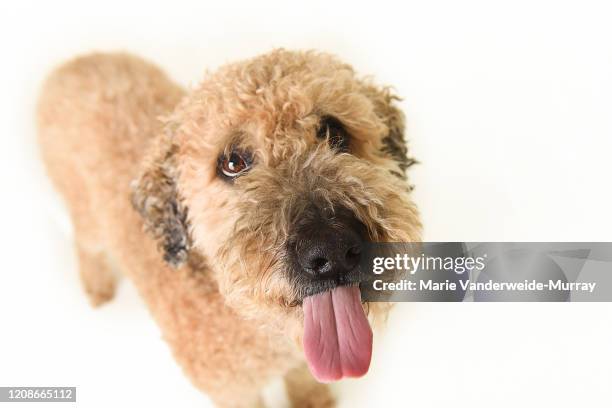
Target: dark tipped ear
156	198
394	143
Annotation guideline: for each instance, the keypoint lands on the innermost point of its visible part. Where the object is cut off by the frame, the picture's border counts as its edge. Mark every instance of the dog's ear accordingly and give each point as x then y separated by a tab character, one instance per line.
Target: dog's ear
394	143
156	197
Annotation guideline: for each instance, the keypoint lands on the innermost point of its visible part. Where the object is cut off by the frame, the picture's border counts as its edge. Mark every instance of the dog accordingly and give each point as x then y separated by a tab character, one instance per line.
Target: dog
238	209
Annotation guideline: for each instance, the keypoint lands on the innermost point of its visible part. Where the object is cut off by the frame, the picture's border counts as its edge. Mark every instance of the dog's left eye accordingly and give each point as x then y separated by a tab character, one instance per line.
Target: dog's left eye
332	129
233	164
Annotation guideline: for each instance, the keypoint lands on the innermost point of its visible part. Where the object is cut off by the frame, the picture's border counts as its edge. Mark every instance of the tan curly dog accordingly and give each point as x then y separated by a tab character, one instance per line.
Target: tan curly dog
239	209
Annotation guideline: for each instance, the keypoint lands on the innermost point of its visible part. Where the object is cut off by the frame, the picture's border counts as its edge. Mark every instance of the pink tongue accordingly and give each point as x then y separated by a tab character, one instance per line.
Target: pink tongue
337	335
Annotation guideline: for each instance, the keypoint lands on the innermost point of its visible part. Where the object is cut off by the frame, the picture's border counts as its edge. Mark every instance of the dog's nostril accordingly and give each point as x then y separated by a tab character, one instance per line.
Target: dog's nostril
320	265
353	256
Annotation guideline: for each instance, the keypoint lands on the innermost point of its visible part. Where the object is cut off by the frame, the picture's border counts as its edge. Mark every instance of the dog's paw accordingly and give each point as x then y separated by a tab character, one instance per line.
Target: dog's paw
100	294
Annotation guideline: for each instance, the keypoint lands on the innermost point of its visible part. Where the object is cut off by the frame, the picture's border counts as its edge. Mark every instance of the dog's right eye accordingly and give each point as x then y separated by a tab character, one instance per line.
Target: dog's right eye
233	164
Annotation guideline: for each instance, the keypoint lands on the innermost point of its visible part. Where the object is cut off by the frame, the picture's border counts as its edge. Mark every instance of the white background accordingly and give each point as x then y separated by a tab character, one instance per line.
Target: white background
509	110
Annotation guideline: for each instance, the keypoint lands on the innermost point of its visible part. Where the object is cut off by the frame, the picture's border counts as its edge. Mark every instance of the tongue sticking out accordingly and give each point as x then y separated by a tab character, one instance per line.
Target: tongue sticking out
337	335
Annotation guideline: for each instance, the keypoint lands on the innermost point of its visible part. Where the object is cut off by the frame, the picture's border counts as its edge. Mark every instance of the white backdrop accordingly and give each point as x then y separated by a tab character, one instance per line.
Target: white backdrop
509	111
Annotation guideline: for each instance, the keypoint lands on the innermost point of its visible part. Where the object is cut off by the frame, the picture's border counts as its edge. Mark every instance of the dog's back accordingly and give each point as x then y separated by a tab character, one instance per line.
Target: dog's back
96	115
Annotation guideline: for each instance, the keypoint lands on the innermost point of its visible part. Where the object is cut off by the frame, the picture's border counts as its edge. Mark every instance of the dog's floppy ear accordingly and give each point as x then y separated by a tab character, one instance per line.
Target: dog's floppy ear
394	143
156	197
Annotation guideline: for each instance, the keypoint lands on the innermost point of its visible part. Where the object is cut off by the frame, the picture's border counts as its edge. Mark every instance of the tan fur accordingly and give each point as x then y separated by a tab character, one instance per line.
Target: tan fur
222	299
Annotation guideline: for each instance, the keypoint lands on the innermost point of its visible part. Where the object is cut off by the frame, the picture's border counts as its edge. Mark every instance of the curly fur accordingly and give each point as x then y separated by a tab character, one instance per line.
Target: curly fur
223	298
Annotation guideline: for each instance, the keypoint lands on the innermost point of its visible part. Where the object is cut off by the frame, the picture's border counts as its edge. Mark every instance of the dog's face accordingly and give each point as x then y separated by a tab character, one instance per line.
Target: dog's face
277	170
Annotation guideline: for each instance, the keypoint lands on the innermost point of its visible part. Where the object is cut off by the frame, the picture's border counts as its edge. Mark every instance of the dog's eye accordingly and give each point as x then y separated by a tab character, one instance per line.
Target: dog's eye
233	164
331	129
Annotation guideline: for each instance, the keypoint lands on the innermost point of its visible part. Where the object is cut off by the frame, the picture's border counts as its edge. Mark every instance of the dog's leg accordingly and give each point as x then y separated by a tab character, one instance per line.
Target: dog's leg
305	392
97	276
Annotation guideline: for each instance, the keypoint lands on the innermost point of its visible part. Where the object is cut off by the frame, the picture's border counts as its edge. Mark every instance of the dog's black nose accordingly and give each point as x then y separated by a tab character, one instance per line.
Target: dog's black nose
329	250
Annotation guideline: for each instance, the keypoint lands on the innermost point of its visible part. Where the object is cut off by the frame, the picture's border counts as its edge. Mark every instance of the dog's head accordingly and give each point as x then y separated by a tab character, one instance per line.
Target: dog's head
277	170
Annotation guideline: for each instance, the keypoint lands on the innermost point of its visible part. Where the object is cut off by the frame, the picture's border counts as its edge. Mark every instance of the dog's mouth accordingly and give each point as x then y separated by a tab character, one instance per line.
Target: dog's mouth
310	288
337	336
